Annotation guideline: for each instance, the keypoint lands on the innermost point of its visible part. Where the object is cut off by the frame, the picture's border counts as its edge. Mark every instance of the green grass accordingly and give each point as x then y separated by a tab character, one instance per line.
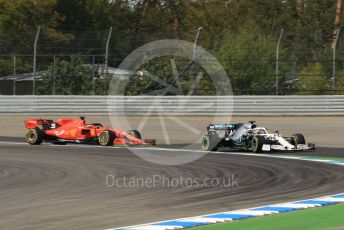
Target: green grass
330	158
329	217
341	159
323	158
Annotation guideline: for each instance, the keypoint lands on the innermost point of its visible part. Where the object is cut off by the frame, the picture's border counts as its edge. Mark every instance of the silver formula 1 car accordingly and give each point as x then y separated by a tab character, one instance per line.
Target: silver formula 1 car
247	136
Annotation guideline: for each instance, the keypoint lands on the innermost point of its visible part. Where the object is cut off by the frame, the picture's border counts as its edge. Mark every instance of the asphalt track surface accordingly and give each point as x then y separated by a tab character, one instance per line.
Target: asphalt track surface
64	187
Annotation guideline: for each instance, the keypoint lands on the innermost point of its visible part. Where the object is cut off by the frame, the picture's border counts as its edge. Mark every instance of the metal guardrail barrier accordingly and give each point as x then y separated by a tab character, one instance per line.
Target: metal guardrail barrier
173	105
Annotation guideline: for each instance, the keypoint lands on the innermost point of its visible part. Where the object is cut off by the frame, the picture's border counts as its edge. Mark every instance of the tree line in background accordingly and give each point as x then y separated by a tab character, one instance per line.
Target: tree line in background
241	34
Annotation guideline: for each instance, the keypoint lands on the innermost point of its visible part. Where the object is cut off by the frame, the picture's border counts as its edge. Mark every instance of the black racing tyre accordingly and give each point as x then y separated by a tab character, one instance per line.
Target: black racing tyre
297	139
210	142
106	138
34	136
257	144
135	133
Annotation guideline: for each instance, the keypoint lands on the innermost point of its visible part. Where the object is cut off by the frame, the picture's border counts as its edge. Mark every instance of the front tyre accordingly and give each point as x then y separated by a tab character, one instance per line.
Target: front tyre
257	144
209	143
106	138
297	139
135	134
34	136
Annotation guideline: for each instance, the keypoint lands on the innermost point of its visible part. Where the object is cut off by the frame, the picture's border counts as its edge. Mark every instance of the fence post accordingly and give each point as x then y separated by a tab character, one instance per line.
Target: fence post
334	63
54	75
93	74
277	61
35	62
107	57
14	74
196	53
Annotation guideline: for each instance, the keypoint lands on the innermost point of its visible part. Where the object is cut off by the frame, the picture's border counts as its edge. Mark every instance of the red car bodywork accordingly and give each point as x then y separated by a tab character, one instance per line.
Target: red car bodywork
76	130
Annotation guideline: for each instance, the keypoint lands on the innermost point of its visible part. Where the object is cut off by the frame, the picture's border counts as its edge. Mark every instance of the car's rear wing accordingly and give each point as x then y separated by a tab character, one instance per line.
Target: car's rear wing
230	127
219	127
35	123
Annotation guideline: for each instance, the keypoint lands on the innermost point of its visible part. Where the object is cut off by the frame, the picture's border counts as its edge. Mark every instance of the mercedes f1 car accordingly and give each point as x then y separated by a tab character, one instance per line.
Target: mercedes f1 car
247	136
69	130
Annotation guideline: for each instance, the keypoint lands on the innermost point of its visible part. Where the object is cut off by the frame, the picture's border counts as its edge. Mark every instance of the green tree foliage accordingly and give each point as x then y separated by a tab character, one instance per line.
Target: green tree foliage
72	77
313	80
241	33
19	20
28	14
249	62
340	82
94	15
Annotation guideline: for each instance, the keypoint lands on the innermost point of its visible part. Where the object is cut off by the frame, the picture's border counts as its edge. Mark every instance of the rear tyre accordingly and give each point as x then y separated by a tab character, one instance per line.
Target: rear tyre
135	133
209	143
106	138
297	139
34	136
257	144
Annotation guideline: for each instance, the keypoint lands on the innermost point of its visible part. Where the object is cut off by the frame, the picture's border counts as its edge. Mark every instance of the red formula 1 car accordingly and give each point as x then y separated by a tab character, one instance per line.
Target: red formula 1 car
69	130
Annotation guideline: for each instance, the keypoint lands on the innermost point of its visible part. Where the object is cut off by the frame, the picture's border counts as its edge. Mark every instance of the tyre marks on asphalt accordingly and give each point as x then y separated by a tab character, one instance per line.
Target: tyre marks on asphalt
64	187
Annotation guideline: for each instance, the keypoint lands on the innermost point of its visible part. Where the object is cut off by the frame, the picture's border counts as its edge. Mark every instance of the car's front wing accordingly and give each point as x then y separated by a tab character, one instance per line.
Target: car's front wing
300	147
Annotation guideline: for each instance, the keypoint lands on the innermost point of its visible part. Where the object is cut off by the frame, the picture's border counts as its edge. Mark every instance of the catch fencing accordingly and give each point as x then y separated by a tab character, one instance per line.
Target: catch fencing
173	105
